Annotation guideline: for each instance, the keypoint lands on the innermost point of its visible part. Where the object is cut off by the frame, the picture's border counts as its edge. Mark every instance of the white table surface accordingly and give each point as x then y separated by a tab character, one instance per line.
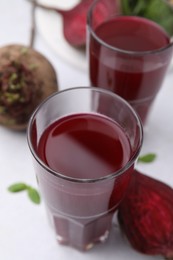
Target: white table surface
24	230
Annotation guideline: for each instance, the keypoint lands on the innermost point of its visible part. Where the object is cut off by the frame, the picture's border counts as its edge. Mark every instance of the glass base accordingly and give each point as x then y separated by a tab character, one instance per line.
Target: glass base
82	234
87	247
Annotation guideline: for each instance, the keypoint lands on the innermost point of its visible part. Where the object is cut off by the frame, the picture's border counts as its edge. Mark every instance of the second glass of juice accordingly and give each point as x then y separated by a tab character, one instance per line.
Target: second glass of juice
127	54
85	142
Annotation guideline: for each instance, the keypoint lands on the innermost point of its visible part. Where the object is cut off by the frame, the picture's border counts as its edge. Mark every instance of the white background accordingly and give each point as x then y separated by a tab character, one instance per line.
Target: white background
24	230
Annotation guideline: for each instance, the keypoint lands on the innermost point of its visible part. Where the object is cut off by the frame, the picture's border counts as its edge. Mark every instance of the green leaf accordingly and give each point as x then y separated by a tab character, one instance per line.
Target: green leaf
147	158
157	10
126	7
32	192
17	187
34	195
160	12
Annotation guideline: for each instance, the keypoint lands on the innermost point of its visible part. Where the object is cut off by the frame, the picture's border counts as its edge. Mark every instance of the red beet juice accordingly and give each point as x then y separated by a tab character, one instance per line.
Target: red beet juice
88	147
126	56
72	143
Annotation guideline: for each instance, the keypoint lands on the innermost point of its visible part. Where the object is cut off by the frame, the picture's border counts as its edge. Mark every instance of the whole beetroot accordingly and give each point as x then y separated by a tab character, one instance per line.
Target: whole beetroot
26	78
146	216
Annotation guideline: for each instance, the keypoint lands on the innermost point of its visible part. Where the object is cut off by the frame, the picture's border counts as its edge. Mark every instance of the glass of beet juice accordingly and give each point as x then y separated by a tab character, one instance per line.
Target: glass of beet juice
85	142
128	54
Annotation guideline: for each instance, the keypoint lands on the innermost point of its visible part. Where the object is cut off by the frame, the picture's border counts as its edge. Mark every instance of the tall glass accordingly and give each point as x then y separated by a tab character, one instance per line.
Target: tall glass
128	54
81	209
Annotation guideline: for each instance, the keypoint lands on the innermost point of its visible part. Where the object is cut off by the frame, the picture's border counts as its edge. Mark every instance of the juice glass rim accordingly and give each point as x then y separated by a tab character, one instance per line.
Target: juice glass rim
108	46
81	180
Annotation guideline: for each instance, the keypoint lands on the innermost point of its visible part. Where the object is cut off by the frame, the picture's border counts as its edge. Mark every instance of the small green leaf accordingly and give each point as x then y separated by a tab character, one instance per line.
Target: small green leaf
34	195
32	192
147	158
17	187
